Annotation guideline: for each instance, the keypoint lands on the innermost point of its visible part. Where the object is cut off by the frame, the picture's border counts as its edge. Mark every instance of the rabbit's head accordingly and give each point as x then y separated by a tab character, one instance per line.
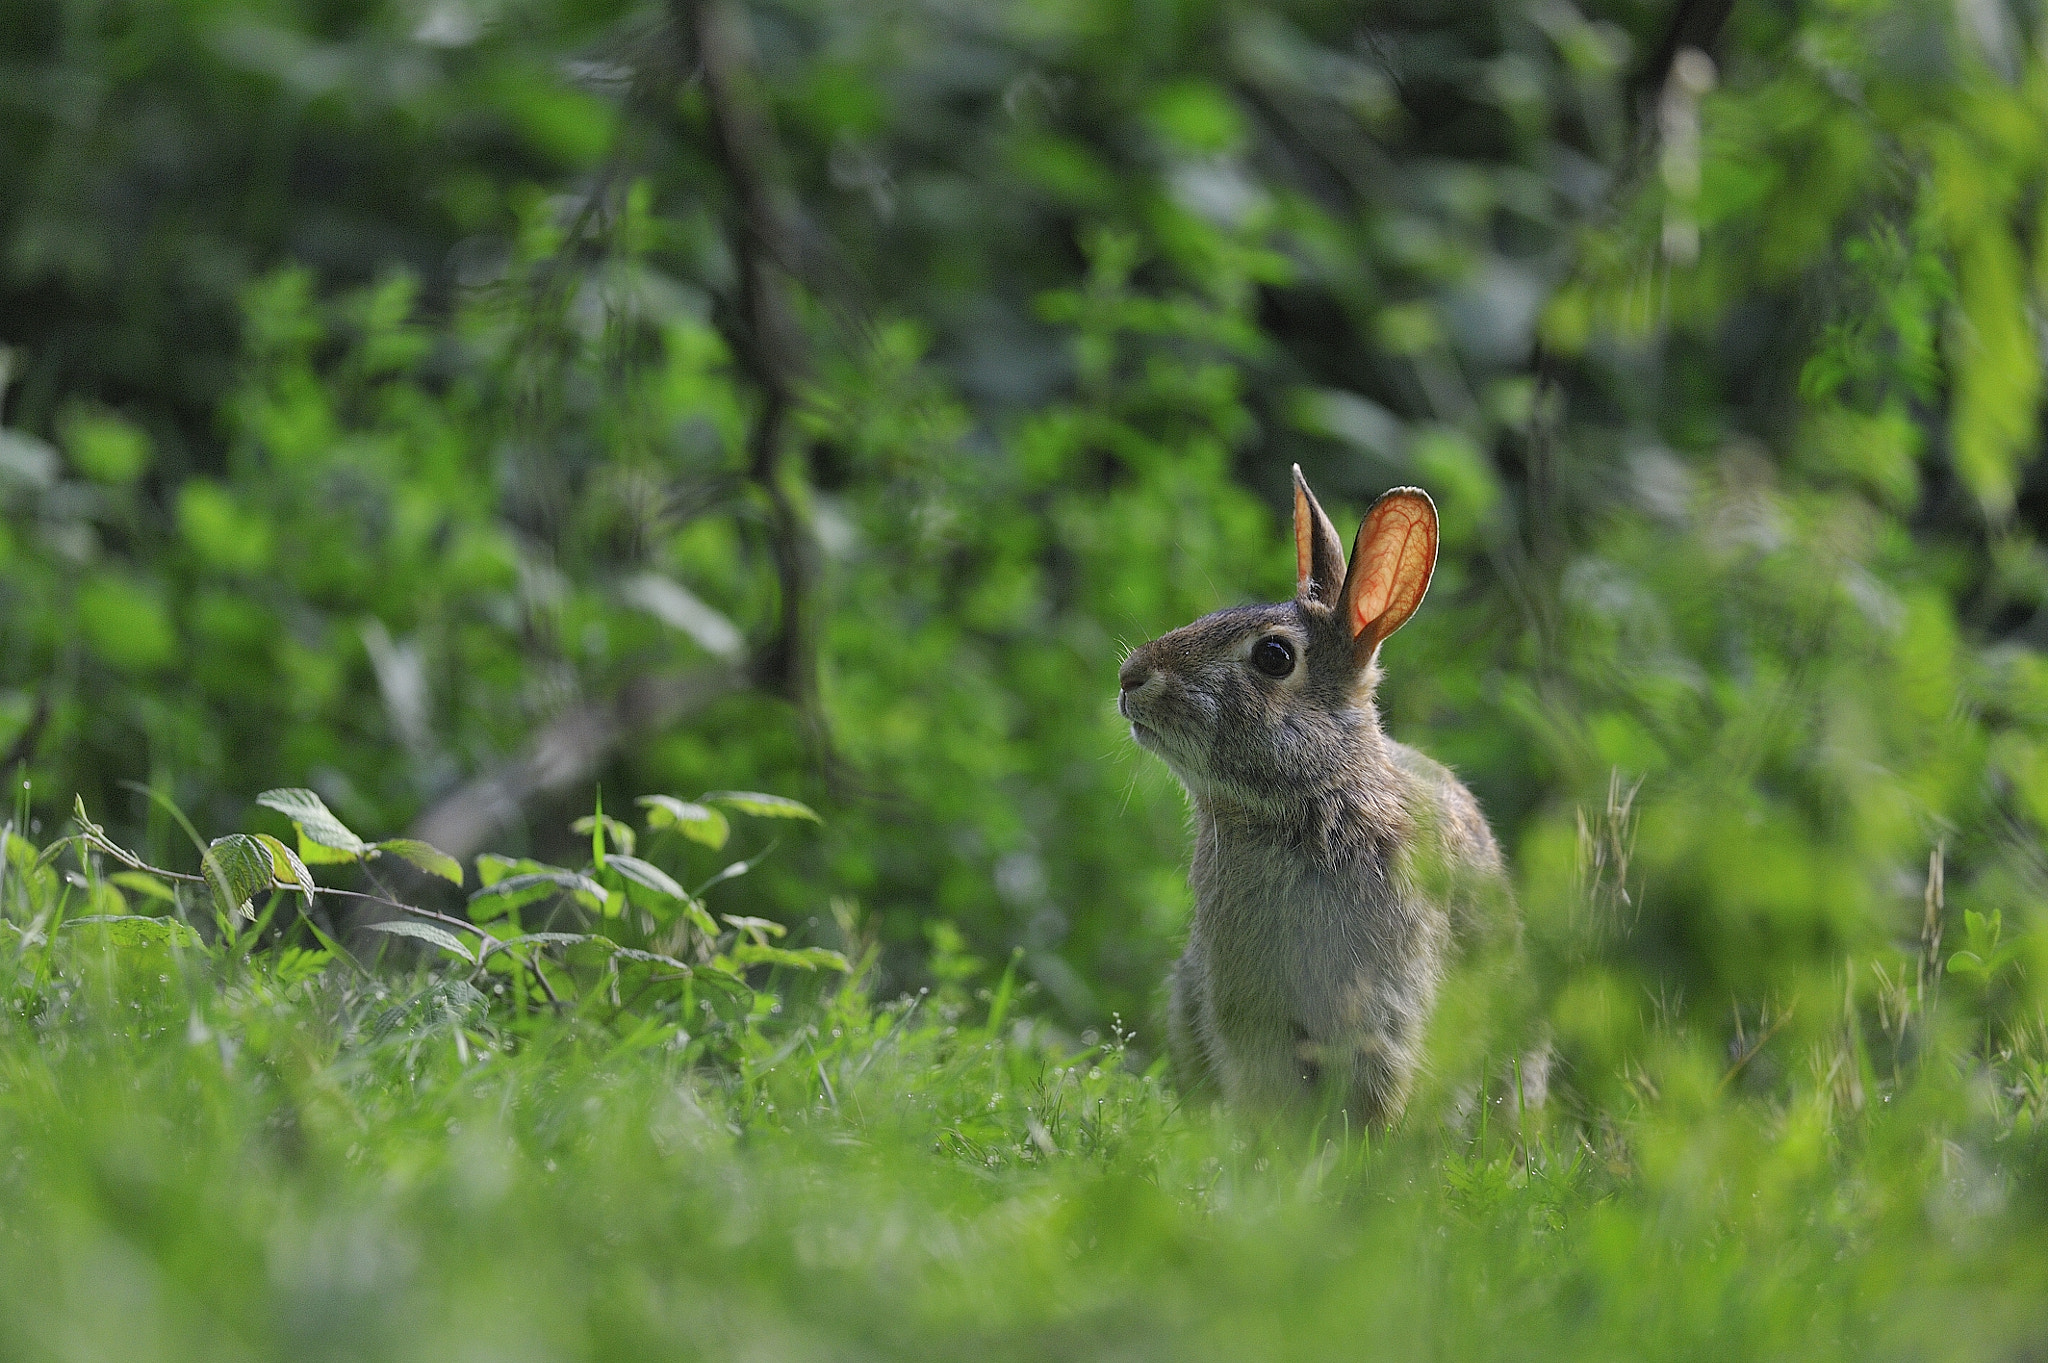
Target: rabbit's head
1266	705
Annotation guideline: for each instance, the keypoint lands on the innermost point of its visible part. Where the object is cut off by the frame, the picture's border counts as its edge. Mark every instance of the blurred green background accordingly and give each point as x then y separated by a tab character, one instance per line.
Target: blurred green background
456	406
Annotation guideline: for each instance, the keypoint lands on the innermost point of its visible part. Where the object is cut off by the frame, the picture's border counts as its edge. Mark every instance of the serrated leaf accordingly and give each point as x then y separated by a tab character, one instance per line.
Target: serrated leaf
764	806
426	856
135	930
286	867
646	874
565	939
699	823
721	974
316	822
313	854
652	958
238	867
426	932
143	883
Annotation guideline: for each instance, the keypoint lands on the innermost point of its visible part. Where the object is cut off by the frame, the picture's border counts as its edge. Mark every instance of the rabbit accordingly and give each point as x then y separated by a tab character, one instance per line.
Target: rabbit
1333	867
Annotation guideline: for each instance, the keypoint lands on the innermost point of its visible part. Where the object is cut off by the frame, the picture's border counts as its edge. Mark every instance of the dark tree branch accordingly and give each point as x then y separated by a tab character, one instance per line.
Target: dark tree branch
771	346
1694	23
770	343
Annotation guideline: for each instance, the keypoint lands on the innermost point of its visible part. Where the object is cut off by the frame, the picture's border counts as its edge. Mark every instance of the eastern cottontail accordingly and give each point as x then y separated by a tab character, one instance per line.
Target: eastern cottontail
1334	868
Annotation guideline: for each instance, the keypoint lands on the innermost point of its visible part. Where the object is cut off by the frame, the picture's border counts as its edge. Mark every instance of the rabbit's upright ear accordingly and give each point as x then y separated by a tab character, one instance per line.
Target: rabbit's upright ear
1318	553
1390	567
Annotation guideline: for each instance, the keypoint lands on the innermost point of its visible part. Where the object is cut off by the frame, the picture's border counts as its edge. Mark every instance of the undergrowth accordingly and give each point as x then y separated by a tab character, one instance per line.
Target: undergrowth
224	1139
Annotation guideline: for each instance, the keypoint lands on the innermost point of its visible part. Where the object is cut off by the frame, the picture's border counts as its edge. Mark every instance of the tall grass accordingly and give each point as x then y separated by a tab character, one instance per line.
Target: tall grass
214	1156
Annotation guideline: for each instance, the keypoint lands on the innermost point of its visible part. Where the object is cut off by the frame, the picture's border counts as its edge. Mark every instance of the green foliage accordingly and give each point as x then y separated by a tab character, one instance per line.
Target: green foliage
416	408
819	1171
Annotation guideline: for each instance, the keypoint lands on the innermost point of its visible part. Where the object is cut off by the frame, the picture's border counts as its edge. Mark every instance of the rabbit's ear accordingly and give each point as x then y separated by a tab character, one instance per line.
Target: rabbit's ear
1318	553
1390	566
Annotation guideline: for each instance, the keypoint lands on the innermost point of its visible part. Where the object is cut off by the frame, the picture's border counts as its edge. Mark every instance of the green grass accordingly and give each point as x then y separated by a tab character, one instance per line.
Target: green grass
230	1138
205	1159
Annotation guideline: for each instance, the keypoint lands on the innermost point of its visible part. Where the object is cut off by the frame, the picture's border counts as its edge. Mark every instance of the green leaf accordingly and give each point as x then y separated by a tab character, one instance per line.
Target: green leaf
492	868
424	855
134	930
238	867
143	883
698	823
316	823
286	867
125	621
104	447
426	932
512	891
764	806
652	958
294	964
565	939
21	853
760	929
700	917
621	835
802	958
647	875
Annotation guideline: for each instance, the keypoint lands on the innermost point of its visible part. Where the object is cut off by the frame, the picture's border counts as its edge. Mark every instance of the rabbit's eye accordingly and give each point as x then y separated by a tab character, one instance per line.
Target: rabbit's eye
1273	656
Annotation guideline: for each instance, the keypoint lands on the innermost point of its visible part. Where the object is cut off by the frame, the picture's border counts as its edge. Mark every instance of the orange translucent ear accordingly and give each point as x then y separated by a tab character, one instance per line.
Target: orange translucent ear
1318	553
1390	566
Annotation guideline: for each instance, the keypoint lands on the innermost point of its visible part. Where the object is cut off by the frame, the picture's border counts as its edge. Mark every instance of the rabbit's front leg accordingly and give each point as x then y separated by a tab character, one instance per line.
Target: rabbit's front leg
1187	1038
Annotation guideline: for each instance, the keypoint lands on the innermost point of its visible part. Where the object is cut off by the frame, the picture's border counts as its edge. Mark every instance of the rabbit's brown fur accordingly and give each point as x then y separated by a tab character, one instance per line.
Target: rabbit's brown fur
1333	867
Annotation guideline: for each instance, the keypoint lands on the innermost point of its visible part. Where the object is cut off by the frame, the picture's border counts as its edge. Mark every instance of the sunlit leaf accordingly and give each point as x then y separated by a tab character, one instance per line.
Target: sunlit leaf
426	856
699	823
621	835
286	867
647	875
134	930
238	867
800	958
763	806
316	823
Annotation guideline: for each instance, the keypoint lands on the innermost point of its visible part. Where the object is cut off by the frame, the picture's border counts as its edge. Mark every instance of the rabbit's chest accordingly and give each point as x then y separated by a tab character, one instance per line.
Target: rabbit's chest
1316	955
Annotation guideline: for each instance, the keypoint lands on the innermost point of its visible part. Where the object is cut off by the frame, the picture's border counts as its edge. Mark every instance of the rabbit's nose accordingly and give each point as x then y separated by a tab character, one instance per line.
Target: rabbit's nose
1135	672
